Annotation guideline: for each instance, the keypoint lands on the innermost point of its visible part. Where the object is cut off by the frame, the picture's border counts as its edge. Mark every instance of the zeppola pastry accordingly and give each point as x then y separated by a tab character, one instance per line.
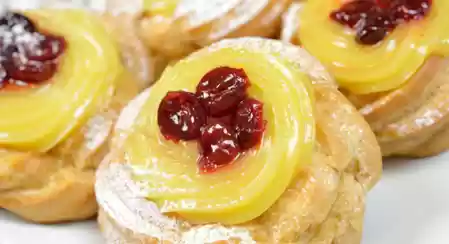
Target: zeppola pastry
63	80
245	141
391	59
173	28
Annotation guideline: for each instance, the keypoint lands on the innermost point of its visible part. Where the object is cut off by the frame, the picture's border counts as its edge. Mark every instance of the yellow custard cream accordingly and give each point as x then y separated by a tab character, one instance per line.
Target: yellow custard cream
37	119
368	69
245	189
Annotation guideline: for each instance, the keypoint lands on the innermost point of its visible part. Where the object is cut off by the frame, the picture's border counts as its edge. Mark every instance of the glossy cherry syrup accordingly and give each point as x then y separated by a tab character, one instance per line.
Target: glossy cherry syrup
373	20
221	90
221	116
181	116
219	146
27	56
249	123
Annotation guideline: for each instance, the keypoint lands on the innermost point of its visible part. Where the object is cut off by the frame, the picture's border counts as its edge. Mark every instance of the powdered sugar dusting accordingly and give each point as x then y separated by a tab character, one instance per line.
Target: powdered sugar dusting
18	35
290	22
199	12
28	56
130	113
123	200
242	14
33	4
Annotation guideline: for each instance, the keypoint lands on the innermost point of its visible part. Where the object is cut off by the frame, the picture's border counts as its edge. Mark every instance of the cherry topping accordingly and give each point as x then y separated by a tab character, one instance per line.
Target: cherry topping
222	89
352	12
44	48
220	115
372	31
227	119
406	10
219	146
20	68
373	20
180	116
26	55
14	20
249	123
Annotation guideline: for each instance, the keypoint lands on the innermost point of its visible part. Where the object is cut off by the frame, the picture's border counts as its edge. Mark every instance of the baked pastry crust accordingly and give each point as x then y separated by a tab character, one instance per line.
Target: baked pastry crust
58	185
412	120
195	24
323	204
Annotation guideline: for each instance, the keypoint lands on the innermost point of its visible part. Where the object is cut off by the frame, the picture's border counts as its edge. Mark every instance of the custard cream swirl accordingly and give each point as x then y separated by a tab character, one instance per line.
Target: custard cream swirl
37	119
369	69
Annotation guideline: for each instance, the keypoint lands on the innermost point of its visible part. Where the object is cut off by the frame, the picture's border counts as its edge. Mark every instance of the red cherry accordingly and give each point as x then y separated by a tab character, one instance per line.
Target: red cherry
20	68
45	48
354	11
249	123
383	3
370	35
220	115
25	54
180	116
219	146
221	90
373	20
227	119
406	10
373	30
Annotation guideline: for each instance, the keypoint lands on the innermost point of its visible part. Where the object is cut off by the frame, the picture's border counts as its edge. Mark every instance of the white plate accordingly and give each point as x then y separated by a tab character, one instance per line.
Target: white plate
409	206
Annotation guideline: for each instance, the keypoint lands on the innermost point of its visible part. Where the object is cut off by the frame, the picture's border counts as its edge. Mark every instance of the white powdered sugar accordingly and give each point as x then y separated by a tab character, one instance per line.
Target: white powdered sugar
115	6
202	11
243	12
32	4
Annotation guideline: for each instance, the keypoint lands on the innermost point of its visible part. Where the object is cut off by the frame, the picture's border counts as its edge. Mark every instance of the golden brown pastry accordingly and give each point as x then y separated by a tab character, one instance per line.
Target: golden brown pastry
174	28
390	59
63	80
245	141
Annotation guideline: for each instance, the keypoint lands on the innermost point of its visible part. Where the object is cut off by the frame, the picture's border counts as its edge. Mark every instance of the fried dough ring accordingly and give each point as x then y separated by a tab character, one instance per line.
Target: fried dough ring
324	203
412	120
58	185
